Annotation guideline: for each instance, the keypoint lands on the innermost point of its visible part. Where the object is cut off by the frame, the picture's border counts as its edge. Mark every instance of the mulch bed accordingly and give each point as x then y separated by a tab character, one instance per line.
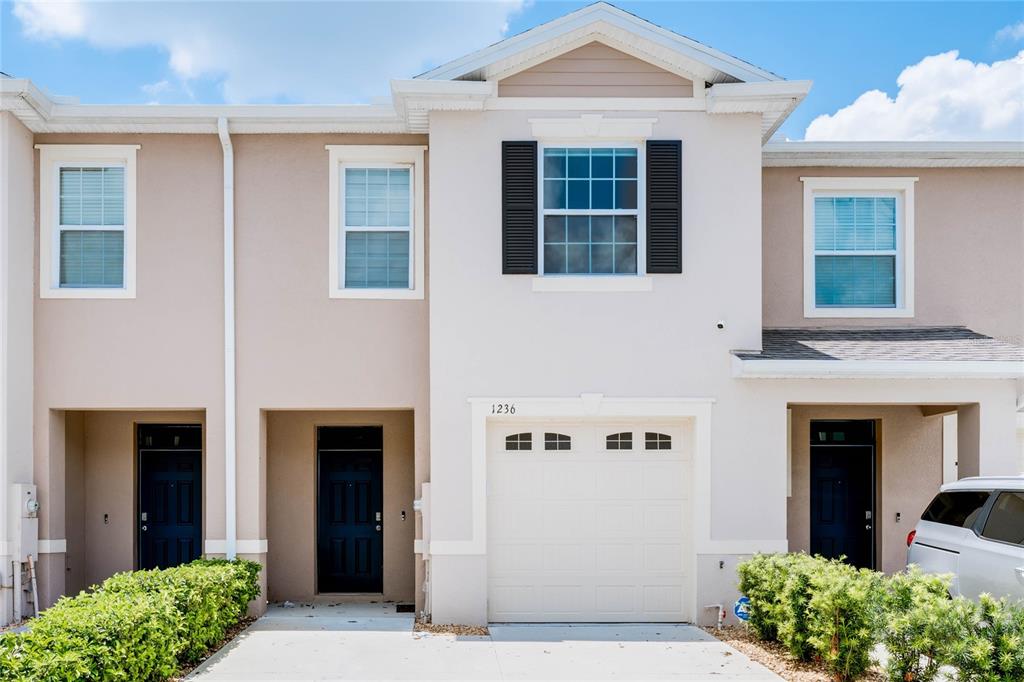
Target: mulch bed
774	656
460	630
230	635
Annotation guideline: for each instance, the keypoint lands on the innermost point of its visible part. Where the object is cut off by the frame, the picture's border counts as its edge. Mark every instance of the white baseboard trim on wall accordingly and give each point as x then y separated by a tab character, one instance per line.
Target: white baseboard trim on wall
53	546
241	547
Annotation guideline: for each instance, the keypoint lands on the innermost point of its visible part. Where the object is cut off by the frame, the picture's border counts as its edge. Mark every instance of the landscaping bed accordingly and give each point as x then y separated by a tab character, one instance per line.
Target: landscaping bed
830	617
145	625
774	656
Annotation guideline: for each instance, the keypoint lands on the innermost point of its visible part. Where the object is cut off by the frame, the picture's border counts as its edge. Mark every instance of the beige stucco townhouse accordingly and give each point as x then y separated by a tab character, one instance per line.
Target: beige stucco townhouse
555	335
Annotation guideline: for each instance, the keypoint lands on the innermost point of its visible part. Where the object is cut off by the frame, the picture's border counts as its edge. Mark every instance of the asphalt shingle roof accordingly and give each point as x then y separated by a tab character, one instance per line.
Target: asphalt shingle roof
948	344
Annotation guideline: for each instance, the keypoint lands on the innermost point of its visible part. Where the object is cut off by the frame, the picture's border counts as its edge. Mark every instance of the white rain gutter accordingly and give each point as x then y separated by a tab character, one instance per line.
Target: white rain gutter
230	484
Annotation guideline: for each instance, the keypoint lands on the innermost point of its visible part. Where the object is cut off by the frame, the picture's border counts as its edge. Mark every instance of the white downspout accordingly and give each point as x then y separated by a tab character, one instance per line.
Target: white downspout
230	484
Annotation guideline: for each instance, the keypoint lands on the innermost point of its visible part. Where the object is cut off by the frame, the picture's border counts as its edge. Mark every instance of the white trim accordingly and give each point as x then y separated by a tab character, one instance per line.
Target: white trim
900	187
607	20
51	158
593	127
218	546
592	283
893	154
411	156
875	369
53	546
774	100
645	104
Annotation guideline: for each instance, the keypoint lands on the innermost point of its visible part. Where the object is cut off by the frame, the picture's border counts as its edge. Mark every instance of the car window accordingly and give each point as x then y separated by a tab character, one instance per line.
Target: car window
1006	520
959	508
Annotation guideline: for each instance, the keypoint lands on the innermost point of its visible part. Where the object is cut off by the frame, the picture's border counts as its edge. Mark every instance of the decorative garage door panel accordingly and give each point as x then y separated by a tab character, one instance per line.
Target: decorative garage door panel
588	533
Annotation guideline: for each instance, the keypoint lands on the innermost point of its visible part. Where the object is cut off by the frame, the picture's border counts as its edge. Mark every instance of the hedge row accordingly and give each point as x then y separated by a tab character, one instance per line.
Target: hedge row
135	626
827	610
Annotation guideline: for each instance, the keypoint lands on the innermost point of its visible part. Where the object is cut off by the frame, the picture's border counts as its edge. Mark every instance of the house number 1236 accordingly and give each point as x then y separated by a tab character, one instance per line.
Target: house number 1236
503	408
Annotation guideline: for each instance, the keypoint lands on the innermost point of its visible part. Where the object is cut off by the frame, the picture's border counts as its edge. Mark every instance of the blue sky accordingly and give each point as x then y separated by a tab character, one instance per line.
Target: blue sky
345	52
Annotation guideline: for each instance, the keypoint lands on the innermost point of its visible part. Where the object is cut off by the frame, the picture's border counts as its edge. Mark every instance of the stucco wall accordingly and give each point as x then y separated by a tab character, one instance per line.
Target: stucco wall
162	350
908	464
298	348
292	498
968	243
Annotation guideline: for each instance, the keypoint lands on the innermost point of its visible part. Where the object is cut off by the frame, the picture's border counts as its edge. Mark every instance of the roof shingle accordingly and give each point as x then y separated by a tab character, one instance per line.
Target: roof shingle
948	344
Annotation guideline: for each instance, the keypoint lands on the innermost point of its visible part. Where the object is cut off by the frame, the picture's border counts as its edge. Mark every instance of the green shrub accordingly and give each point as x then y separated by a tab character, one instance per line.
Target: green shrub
762	578
794	631
135	626
843	617
920	622
210	597
990	647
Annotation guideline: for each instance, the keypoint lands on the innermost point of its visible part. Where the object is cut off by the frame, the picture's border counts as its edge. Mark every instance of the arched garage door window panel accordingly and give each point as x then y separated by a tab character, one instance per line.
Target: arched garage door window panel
519	441
557	441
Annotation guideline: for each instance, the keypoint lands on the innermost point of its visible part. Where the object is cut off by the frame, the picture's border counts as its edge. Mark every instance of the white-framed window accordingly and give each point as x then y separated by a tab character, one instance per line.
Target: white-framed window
376	231
591	217
87	221
859	247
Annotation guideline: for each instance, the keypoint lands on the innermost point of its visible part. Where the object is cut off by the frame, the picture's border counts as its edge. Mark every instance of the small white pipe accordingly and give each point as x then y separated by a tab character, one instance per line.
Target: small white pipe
230	485
16	585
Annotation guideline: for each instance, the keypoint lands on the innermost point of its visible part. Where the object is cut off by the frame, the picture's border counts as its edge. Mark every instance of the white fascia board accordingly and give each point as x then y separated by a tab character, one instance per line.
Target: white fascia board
720	66
775	101
894	154
752	97
875	369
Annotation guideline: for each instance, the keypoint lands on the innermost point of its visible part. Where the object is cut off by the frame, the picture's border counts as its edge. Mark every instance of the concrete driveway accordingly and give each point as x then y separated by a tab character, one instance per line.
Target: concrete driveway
372	642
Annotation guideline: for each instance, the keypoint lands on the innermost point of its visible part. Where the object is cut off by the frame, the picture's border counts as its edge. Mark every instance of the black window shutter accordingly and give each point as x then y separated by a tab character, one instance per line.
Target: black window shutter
664	206
519	207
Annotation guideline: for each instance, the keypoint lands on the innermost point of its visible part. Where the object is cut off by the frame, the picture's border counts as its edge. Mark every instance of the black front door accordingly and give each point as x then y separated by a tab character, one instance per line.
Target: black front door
843	490
170	494
350	495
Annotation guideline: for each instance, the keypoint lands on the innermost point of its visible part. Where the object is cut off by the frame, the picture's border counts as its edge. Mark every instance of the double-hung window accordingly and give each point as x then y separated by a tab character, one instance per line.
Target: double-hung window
858	247
376	222
87	243
590	210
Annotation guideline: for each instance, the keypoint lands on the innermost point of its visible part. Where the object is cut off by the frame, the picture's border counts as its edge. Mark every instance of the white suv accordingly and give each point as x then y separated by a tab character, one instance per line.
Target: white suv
974	529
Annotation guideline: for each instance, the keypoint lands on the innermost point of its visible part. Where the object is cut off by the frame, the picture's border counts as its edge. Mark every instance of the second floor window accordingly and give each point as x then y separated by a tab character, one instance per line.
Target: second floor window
589	211
855	251
858	247
91	227
377	221
377	227
87	202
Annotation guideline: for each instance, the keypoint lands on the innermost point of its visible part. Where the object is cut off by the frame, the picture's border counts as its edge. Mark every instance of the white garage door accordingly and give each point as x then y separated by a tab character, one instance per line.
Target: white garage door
588	523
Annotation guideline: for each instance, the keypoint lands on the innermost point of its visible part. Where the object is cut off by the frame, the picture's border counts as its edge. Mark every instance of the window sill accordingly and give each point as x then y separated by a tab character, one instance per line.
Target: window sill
571	283
87	293
838	313
378	294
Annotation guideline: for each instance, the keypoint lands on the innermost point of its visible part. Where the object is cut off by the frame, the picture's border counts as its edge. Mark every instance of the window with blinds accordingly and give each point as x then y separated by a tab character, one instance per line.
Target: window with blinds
91	225
855	251
377	226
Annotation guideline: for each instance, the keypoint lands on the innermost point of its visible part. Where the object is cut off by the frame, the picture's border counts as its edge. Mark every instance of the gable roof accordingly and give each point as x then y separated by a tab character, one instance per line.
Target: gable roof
610	25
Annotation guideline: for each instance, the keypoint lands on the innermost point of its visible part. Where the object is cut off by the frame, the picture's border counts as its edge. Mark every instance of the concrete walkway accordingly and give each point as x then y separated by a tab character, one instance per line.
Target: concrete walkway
372	642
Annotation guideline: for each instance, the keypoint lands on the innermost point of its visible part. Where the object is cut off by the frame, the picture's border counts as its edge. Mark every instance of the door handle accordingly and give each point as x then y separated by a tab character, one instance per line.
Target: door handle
145	528
867	527
378	527
1020	573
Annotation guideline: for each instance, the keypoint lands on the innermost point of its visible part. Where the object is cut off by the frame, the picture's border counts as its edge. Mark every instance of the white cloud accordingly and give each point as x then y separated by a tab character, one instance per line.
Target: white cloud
942	97
1012	32
321	52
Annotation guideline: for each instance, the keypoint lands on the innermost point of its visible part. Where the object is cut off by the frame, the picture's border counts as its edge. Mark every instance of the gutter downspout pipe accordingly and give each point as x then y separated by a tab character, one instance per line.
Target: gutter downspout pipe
230	484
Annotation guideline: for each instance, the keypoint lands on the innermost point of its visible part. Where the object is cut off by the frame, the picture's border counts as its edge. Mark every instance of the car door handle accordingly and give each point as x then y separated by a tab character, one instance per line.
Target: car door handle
1020	573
